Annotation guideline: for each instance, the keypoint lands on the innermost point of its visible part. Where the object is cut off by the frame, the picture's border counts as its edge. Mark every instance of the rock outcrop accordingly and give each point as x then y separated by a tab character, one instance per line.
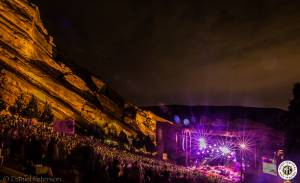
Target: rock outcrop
28	66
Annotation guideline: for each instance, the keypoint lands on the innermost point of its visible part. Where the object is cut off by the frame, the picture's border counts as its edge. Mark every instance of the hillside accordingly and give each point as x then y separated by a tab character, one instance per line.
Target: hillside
272	117
31	64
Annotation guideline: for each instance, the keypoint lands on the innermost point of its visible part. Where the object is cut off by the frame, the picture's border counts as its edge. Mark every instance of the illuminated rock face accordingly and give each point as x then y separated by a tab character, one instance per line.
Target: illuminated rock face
28	67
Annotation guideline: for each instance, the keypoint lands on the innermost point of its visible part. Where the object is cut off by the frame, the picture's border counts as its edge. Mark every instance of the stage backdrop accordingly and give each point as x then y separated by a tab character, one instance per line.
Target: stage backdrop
64	126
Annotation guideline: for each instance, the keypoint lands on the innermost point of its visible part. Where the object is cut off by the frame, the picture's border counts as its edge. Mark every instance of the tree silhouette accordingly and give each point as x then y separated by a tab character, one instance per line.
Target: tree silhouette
18	107
2	105
293	119
112	131
31	110
2	86
47	115
150	147
292	142
123	139
139	141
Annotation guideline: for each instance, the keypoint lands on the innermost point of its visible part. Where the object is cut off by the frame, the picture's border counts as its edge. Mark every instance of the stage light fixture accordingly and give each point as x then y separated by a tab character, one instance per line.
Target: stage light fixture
202	143
243	146
225	150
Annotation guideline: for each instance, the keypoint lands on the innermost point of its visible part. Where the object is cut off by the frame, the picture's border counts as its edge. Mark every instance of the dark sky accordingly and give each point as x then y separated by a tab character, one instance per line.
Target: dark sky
233	52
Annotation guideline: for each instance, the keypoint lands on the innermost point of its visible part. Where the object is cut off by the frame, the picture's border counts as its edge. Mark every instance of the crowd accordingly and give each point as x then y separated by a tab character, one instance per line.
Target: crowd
79	158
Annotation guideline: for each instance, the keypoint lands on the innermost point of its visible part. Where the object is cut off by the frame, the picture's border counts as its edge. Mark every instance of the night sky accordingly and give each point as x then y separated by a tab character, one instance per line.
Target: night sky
194	52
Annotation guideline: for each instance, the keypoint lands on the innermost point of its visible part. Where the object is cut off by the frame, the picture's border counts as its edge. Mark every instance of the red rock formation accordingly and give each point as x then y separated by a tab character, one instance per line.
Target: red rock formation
28	66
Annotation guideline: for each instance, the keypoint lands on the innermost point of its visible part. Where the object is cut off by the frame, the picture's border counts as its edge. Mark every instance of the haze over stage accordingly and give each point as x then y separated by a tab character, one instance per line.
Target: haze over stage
269	116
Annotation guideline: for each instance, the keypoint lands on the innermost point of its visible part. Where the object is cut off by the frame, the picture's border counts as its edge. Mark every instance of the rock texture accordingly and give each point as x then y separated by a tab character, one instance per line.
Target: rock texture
28	66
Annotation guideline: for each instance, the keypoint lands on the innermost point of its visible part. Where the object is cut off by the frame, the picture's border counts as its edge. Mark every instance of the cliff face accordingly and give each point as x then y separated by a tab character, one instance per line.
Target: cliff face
28	66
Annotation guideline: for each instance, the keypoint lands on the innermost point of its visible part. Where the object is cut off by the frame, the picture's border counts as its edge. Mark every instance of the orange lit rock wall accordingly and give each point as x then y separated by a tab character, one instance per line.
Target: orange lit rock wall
28	67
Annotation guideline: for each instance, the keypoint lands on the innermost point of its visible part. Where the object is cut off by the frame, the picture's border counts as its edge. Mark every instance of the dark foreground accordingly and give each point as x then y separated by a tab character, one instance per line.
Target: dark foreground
37	151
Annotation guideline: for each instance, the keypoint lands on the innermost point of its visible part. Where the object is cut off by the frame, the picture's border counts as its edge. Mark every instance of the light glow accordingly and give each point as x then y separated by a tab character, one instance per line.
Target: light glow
224	150
202	143
243	146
